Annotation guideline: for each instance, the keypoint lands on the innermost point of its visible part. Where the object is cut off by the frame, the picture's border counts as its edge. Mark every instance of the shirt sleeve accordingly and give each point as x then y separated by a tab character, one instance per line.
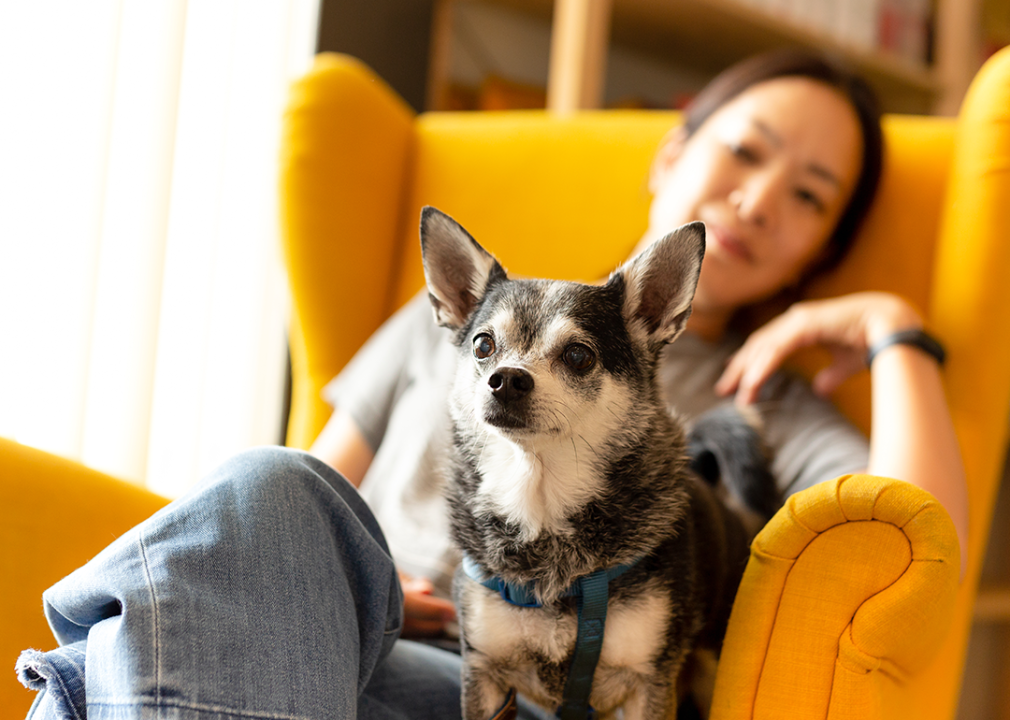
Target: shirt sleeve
809	438
368	387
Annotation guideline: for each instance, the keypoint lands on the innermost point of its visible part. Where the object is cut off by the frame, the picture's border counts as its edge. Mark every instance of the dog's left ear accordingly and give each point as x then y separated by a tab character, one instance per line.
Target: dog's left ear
457	269
660	283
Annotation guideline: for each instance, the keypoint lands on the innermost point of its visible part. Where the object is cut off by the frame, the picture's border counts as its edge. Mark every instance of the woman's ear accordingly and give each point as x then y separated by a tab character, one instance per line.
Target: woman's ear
669	150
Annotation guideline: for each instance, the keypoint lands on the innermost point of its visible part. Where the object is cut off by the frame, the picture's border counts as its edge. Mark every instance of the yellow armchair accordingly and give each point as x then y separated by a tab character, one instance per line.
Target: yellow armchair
846	602
850	607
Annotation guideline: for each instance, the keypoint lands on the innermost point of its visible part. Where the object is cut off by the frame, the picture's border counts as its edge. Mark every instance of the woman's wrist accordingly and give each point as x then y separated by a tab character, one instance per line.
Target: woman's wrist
890	315
895	323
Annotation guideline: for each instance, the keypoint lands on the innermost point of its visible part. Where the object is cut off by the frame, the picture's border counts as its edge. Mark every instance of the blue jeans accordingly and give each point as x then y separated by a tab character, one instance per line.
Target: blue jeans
266	592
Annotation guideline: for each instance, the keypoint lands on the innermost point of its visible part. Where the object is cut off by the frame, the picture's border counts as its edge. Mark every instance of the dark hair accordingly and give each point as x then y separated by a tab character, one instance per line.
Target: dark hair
808	64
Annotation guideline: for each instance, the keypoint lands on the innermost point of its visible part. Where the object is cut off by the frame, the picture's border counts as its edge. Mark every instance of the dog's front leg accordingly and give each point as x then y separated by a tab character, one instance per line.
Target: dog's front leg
482	697
653	699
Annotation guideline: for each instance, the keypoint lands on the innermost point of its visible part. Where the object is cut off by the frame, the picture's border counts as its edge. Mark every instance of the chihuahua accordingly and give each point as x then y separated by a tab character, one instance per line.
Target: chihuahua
567	465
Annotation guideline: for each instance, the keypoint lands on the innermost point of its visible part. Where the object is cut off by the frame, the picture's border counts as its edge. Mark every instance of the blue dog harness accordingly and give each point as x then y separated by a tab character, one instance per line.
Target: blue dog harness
591	593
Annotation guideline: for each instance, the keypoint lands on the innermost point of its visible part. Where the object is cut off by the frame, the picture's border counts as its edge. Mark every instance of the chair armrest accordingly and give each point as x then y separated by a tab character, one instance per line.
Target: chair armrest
55	514
849	590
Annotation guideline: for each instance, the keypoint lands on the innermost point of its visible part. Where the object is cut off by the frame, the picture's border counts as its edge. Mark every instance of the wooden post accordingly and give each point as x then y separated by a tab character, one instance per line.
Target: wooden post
579	40
958	51
440	54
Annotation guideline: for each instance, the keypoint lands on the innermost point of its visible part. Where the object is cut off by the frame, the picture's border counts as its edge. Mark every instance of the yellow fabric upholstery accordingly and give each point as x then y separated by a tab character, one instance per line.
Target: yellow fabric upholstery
55	515
845	606
848	594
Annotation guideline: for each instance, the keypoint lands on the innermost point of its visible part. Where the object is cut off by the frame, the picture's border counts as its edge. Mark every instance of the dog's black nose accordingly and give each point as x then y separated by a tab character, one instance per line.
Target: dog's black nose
509	384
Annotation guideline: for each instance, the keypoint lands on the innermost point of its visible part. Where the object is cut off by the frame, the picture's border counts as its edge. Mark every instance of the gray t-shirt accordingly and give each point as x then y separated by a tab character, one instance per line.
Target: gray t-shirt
397	386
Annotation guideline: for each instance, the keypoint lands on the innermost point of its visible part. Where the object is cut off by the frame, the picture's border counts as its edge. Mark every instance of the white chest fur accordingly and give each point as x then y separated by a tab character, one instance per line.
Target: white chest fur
517	640
537	487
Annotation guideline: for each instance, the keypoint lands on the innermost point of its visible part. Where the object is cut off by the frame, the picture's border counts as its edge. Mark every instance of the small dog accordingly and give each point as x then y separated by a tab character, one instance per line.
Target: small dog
567	463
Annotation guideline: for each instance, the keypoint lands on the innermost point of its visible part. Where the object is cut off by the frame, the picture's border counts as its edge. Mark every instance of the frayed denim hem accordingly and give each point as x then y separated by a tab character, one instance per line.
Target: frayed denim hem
59	675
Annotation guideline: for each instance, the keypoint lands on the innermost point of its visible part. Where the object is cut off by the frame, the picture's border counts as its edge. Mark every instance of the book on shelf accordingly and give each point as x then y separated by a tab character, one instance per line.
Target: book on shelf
896	27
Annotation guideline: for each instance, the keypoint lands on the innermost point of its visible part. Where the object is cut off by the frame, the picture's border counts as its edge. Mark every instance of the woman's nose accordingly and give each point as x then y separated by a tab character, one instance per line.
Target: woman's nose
757	199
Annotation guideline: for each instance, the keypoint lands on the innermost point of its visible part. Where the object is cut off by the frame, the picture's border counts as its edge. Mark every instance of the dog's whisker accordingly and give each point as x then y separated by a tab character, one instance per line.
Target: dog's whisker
483	447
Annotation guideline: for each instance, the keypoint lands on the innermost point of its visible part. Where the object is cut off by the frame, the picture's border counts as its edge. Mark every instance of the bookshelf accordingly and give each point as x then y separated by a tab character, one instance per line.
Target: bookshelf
710	35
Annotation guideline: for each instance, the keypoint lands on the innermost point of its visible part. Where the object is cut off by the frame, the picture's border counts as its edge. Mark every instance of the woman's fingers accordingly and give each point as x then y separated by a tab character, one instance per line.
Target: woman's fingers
845	365
761	355
839	323
424	615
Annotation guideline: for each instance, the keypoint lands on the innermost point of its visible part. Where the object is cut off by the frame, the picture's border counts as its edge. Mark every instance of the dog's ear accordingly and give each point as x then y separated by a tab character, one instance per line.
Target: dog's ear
660	283
458	270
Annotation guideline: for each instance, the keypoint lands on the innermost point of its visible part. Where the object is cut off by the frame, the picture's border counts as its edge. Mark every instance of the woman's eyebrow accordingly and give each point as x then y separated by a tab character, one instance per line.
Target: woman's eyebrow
813	168
773	137
823	173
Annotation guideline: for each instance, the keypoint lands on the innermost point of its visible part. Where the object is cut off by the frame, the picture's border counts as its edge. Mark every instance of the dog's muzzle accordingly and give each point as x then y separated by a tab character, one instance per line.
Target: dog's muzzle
510	388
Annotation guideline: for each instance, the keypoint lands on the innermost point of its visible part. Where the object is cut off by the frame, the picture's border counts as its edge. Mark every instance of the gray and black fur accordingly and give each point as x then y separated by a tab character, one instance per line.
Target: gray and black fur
566	461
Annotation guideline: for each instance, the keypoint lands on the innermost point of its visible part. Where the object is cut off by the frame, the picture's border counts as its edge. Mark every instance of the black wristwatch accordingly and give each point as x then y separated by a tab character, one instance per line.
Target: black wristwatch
917	338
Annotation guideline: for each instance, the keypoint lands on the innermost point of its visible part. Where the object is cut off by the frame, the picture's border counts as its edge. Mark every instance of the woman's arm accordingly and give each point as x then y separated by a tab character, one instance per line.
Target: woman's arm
342	446
912	436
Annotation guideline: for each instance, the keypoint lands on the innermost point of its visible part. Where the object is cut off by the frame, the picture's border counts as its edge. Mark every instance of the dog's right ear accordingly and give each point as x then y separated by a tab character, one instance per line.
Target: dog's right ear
457	269
660	283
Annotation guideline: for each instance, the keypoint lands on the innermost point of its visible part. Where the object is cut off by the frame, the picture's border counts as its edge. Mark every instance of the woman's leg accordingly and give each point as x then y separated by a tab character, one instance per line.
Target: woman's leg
266	592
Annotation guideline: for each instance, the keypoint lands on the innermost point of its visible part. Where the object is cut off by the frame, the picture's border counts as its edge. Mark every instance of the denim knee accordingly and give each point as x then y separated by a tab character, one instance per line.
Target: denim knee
271	469
282	487
266	587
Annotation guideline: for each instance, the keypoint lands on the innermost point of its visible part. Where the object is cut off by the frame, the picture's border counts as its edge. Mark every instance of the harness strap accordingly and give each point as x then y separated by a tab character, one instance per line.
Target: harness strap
592	602
592	593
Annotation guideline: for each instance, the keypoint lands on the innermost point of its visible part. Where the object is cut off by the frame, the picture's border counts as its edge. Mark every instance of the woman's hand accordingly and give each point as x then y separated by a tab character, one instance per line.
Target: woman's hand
912	437
424	615
846	325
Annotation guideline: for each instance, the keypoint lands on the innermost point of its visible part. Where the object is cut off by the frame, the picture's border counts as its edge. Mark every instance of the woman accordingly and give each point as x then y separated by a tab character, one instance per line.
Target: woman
269	591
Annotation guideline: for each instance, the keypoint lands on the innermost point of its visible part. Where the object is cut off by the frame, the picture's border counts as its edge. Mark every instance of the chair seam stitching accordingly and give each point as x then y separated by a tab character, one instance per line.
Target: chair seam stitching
781	594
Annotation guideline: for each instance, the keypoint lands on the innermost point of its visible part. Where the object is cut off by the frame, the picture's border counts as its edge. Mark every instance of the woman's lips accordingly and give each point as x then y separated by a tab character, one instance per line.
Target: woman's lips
730	244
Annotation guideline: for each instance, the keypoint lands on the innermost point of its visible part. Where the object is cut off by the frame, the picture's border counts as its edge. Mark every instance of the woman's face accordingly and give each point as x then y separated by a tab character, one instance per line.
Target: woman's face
769	174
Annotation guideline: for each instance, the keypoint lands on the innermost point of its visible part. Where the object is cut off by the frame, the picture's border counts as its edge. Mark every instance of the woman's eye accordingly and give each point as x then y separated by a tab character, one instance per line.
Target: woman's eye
743	152
578	357
811	199
483	346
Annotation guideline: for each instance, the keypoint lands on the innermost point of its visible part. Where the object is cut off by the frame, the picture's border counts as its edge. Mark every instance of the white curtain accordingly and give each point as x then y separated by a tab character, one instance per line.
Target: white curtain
142	300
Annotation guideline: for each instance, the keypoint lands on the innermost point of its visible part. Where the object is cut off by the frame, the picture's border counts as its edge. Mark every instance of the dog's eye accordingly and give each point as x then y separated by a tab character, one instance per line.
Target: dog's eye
483	346
578	357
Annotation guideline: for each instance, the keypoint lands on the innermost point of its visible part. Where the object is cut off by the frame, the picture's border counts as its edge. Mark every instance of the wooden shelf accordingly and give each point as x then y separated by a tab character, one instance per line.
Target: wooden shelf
710	35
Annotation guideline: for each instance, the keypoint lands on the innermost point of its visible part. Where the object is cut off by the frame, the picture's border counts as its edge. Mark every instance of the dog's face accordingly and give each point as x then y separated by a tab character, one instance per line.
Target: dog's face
554	373
540	359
